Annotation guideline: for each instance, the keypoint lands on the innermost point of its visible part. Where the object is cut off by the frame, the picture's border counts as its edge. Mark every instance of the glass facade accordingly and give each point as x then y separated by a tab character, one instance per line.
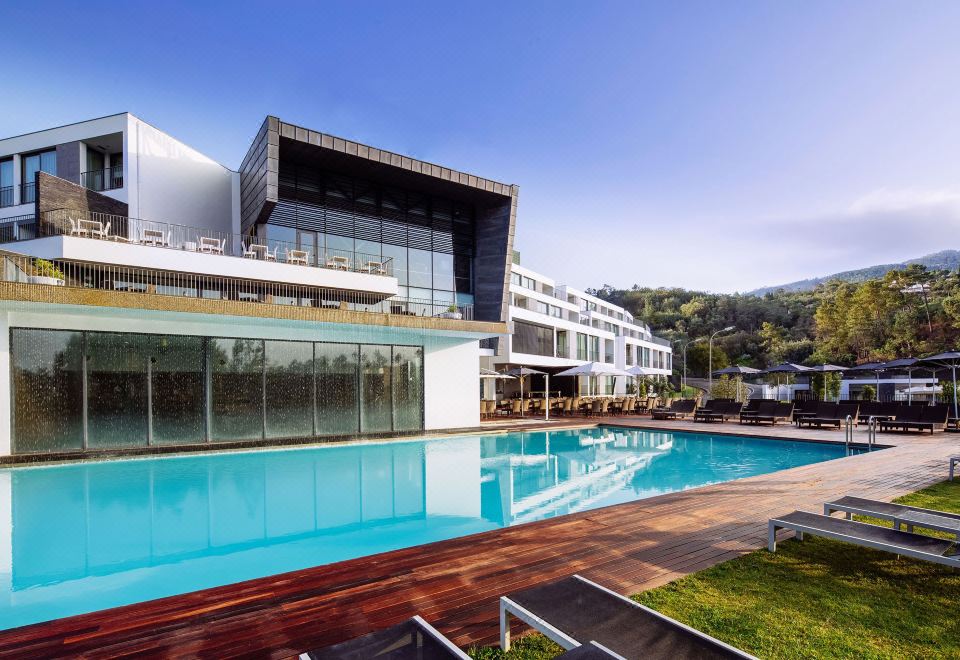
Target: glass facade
91	390
429	239
532	339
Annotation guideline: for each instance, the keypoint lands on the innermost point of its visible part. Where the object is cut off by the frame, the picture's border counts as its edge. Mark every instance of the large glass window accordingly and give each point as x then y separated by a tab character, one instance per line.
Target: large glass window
532	339
375	388
178	399
236	388
443	271
581	346
45	161
420	268
6	182
117	389
289	380
47	372
338	398
407	388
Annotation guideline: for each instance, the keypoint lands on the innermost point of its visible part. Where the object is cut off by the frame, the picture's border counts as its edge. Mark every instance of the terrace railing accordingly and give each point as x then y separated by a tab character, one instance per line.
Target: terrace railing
28	270
103	226
6	196
109	178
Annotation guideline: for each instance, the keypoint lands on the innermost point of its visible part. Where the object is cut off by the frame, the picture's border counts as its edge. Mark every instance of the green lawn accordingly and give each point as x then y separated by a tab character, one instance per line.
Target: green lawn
818	598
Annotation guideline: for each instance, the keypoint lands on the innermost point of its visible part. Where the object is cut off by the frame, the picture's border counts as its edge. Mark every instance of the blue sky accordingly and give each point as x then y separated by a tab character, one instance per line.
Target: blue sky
712	145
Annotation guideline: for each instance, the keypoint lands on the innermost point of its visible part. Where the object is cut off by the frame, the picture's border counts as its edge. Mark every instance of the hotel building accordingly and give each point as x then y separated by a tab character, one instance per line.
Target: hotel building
152	297
555	326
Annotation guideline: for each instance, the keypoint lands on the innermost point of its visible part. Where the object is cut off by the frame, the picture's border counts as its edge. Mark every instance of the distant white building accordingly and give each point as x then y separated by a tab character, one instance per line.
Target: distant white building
555	327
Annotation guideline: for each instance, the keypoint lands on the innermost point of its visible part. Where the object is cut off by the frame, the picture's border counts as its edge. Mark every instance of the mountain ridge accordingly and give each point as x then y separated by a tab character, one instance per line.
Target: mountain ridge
942	260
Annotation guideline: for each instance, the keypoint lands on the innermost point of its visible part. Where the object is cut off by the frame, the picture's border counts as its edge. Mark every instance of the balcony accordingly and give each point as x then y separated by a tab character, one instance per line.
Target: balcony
109	178
29	270
28	193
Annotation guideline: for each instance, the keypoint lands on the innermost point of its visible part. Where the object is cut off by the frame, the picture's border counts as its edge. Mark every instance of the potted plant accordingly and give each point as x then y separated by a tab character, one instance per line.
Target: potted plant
452	313
45	272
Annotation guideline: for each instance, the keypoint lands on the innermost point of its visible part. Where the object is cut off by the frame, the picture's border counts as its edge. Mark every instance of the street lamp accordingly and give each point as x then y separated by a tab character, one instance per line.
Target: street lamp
729	328
683	381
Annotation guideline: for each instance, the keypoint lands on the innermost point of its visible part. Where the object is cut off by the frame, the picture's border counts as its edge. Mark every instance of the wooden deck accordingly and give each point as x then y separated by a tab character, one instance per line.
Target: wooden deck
455	584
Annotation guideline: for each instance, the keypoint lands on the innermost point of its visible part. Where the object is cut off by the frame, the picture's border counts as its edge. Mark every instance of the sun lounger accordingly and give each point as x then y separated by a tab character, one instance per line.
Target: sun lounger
414	639
679	409
869	536
720	411
898	514
918	418
573	611
833	415
763	409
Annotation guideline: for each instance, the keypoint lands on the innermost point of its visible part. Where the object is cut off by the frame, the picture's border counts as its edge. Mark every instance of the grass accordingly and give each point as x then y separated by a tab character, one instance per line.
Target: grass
815	599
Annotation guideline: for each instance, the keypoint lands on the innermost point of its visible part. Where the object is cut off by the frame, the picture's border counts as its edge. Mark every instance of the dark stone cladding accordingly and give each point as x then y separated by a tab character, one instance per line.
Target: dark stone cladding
56	193
68	161
496	203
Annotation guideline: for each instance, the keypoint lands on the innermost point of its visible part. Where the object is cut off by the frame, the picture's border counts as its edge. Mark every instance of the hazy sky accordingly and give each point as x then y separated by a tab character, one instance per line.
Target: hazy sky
713	145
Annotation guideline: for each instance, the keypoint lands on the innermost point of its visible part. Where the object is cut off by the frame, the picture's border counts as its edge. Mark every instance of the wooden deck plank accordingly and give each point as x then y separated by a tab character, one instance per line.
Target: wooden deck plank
455	584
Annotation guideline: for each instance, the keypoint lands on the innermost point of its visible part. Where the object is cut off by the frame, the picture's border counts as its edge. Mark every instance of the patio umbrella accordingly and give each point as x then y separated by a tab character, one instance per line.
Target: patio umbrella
948	360
594	369
490	373
908	364
827	368
785	368
523	372
639	372
875	367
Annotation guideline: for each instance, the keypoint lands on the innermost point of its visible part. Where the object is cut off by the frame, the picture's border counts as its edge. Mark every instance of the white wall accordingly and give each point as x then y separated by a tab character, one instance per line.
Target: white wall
451	384
171	182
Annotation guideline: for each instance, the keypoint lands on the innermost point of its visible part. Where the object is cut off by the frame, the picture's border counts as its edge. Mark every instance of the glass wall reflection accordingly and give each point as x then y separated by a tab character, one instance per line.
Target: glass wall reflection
167	389
47	375
178	398
236	388
289	394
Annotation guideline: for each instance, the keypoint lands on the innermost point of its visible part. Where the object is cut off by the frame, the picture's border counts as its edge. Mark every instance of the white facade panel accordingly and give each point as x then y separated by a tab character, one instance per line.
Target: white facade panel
451	391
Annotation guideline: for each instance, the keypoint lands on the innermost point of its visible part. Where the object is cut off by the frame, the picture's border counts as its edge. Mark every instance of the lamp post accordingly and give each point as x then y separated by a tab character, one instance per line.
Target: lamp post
729	328
683	381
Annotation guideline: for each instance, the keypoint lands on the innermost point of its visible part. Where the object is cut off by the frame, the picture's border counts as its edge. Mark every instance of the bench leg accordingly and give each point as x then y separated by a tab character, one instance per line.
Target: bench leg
799	536
504	628
952	466
771	537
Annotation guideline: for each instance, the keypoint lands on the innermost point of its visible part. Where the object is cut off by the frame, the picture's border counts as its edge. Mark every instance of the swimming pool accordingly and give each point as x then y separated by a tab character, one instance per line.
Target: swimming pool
82	537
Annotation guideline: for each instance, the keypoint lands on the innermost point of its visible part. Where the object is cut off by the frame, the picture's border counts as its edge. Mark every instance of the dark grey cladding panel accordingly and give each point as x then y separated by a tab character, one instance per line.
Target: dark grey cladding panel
495	229
259	174
68	161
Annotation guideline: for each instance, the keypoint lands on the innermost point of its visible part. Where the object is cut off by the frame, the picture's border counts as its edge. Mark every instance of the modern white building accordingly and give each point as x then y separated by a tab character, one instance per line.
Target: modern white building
555	326
152	298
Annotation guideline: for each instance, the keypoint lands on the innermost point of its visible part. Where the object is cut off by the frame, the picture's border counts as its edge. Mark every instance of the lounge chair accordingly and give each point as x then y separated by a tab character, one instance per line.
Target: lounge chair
833	415
918	418
721	411
763	409
779	412
869	536
414	639
574	611
942	521
679	409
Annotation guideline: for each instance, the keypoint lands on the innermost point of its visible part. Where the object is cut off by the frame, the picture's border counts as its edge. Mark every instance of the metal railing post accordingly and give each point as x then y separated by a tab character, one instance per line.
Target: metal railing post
848	433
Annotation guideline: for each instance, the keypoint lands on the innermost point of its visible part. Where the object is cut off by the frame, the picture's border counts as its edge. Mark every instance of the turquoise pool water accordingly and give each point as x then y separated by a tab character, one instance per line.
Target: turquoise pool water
87	536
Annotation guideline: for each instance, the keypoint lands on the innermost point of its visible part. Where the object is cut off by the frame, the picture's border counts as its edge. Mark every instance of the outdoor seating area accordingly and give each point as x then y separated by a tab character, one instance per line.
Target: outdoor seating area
134	232
586	406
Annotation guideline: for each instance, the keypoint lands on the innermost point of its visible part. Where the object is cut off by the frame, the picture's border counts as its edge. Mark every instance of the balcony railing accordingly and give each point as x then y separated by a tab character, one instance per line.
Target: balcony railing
133	231
28	193
28	270
109	178
6	196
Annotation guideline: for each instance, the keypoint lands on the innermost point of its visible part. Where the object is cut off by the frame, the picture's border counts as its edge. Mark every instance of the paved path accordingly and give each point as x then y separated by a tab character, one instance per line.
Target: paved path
455	584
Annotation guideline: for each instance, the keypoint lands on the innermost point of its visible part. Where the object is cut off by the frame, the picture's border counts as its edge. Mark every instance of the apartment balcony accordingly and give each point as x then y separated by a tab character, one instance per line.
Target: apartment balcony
80	236
109	178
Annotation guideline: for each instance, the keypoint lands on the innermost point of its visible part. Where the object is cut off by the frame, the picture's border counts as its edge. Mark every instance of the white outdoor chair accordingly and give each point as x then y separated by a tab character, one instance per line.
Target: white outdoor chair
103	232
270	256
75	229
376	268
249	252
300	257
211	245
338	263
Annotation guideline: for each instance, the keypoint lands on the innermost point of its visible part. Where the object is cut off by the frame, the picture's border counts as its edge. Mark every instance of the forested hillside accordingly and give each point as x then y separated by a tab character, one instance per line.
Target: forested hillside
909	311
